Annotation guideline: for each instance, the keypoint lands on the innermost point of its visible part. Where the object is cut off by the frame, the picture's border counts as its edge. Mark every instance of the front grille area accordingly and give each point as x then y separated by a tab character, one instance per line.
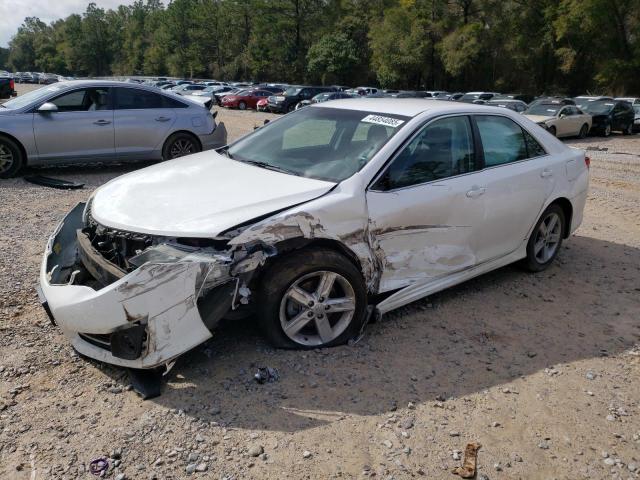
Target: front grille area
116	246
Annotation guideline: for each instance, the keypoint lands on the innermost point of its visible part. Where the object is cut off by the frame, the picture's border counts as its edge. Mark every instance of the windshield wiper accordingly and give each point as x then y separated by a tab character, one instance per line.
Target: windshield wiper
268	166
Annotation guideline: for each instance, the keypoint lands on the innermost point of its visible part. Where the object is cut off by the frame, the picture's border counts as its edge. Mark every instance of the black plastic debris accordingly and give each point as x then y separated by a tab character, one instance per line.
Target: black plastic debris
146	383
53	182
266	374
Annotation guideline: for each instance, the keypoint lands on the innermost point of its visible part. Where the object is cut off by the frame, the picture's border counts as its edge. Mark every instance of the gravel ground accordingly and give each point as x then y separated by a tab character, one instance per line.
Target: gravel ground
541	369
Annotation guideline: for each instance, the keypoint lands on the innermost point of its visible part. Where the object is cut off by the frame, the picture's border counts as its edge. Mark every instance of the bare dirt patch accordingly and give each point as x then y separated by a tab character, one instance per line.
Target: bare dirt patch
542	370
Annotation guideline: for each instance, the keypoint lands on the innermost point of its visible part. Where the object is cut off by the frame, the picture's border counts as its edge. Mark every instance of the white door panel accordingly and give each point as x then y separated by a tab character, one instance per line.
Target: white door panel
515	194
425	231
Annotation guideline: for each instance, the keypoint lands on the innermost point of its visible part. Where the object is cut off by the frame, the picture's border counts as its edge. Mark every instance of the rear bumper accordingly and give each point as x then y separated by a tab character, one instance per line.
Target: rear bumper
216	139
143	320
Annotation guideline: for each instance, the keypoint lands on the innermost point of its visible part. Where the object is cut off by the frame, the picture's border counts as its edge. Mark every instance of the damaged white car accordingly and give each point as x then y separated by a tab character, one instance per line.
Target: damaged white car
313	223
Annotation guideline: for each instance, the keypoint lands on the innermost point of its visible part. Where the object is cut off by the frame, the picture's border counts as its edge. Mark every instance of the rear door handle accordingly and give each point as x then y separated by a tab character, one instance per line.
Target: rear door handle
475	192
546	173
162	119
102	122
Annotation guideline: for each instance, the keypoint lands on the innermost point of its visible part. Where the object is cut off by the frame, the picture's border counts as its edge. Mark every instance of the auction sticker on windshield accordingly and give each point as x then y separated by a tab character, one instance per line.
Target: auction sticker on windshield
380	120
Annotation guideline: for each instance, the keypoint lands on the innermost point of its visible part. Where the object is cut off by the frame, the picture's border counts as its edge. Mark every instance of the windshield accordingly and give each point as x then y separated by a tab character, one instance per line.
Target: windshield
292	91
544	109
30	97
597	108
322	143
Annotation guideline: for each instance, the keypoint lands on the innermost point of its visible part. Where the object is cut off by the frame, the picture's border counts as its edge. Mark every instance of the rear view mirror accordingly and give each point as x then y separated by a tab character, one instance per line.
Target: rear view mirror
48	107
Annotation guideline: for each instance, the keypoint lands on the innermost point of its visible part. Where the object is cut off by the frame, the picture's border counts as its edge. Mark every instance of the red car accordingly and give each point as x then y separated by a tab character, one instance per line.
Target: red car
244	99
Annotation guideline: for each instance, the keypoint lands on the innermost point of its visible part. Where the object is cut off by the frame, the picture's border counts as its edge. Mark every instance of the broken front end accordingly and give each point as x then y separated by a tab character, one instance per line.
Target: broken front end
138	300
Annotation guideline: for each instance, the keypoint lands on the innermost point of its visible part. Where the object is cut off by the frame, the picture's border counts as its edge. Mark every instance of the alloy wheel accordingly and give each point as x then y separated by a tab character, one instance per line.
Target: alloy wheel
6	158
181	147
547	238
317	308
607	130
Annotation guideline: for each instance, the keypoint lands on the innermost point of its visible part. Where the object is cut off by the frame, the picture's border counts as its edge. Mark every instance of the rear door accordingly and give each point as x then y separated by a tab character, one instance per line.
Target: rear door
517	178
425	208
81	129
142	121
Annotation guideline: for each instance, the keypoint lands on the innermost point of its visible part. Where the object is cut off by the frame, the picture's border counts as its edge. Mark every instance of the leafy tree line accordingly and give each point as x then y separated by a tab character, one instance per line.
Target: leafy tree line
567	46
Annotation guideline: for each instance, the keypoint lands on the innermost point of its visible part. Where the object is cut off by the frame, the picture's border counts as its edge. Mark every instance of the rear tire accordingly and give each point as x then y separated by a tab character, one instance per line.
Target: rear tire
584	131
180	144
546	239
242	106
308	318
11	158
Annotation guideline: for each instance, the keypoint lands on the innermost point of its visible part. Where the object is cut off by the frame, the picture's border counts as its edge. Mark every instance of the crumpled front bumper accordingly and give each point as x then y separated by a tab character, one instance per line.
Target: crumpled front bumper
155	305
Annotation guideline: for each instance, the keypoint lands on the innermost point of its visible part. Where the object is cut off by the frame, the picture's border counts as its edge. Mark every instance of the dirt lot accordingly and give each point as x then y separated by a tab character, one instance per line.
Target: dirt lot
542	369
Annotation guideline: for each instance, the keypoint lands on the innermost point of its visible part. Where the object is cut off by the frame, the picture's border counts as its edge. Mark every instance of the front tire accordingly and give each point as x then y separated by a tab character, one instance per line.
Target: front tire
11	158
311	298
546	239
180	144
607	130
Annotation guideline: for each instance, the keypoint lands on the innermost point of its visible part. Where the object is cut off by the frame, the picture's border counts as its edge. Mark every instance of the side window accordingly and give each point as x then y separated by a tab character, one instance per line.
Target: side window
502	140
87	99
172	103
137	99
534	149
442	149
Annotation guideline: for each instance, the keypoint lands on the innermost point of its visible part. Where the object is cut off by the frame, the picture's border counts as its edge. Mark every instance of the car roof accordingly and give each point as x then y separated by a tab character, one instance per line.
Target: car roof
409	107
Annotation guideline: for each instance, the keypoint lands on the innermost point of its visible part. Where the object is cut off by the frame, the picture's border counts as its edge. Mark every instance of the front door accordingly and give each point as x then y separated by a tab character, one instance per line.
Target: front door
425	208
80	130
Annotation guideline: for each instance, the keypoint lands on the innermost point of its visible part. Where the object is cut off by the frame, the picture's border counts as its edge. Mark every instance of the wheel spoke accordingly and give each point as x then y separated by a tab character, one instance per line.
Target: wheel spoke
543	228
297	323
325	285
553	238
324	329
553	221
538	246
340	305
299	296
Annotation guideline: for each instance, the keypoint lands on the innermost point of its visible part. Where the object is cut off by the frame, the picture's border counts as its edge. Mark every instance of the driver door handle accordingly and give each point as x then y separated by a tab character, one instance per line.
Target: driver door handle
162	119
102	122
475	192
546	173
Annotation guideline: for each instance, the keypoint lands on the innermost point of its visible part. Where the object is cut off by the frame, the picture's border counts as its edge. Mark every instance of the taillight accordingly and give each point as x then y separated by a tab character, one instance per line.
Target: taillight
587	162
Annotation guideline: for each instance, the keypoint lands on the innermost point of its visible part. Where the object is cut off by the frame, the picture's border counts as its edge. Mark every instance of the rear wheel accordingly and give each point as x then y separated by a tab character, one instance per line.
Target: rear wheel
242	106
312	299
11	159
180	144
584	130
546	239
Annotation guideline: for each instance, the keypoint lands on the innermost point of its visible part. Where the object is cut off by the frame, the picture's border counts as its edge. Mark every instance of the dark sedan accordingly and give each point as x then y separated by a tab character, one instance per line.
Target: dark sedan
609	116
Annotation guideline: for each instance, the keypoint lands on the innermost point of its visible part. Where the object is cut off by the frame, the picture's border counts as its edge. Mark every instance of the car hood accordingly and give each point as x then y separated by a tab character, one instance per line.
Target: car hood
539	118
201	195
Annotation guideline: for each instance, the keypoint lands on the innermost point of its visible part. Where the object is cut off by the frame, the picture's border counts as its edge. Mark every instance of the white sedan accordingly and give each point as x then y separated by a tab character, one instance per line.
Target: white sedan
560	120
313	223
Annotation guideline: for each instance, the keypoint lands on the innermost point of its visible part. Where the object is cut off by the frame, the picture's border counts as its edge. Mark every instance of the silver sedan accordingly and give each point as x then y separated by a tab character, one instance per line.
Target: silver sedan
102	121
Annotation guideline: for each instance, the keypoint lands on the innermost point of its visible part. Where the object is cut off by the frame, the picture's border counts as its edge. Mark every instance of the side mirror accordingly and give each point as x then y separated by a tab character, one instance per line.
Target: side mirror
47	107
562	115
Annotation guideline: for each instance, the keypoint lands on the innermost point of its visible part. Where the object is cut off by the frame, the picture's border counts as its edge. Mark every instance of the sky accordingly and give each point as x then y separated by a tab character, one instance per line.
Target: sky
13	12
